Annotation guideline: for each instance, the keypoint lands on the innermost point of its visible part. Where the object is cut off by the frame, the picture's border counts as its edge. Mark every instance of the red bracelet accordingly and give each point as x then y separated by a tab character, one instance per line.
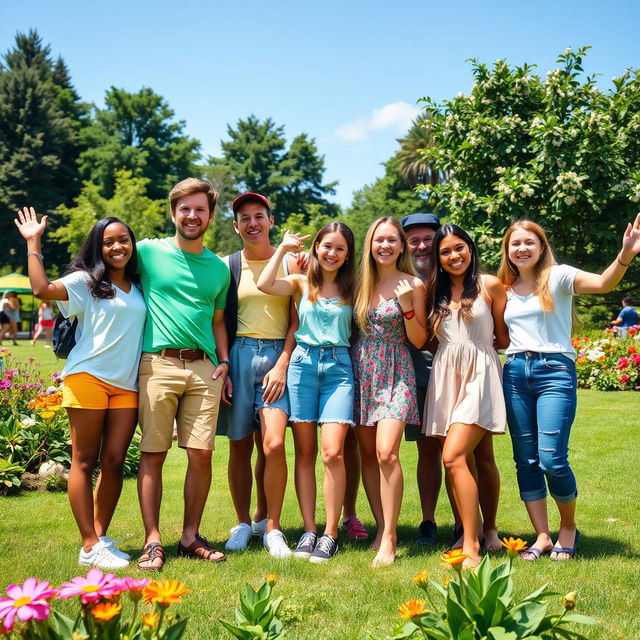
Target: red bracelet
408	314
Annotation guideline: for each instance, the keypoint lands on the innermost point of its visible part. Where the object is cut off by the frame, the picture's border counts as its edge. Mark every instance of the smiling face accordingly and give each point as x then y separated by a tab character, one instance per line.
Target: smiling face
332	251
386	244
192	216
454	255
420	240
524	249
253	223
116	246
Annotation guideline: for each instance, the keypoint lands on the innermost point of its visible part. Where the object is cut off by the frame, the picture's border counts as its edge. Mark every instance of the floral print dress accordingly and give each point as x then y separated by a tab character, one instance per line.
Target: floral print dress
385	379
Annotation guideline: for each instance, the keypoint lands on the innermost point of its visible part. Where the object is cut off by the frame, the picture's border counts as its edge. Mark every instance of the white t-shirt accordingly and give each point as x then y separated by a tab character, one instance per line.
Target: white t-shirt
531	328
109	333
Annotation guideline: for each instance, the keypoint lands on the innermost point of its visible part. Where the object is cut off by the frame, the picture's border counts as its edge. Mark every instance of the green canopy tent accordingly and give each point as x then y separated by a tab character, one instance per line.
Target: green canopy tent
20	284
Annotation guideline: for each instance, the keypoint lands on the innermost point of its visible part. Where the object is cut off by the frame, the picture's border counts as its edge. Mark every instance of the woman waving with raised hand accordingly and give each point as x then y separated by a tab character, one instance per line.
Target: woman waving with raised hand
99	389
320	375
540	384
389	310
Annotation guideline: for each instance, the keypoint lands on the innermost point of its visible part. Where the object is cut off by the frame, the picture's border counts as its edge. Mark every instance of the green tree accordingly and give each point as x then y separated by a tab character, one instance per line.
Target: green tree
413	166
256	158
40	115
146	217
136	131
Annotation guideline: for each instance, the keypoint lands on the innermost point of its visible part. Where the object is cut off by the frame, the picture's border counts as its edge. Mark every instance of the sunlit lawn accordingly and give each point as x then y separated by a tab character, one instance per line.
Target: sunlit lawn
346	598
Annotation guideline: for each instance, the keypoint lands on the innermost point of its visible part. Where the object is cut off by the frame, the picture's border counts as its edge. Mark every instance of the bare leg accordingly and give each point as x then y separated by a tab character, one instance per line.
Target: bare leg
459	445
429	476
119	426
274	426
258	473
150	492
36	335
48	333
86	436
537	510
567	533
371	477
489	491
388	438
305	438
332	447
352	468
240	478
196	489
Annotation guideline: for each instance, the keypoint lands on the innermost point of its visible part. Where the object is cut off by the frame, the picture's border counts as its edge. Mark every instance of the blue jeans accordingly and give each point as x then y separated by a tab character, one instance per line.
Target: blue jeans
320	383
540	394
251	359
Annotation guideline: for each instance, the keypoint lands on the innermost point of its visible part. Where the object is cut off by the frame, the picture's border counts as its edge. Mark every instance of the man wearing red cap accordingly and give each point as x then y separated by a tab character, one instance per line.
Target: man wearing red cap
261	334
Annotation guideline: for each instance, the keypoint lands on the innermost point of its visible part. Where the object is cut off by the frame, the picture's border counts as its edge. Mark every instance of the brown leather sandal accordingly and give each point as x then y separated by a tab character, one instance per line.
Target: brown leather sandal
150	552
201	550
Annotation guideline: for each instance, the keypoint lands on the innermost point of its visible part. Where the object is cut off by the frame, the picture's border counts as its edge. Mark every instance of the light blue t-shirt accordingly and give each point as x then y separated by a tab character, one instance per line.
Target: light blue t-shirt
109	332
629	317
324	323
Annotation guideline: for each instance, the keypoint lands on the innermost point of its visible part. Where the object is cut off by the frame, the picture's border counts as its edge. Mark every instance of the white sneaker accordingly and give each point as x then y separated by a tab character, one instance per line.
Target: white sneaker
110	542
259	528
239	539
102	556
276	544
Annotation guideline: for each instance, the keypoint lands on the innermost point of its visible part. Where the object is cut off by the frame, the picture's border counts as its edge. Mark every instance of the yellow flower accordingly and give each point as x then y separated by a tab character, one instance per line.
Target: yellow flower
106	610
150	620
272	578
412	608
453	557
421	578
164	593
513	545
569	601
47	414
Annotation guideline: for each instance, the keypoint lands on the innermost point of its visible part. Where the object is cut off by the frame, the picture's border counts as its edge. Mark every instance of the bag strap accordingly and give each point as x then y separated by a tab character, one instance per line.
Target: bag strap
231	308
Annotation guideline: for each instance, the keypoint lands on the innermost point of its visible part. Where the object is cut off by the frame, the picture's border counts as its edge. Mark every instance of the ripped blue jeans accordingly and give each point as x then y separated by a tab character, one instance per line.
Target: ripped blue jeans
540	394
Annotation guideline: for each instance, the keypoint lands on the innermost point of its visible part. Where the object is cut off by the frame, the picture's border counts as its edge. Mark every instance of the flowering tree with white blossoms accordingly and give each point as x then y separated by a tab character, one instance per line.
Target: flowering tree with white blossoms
554	149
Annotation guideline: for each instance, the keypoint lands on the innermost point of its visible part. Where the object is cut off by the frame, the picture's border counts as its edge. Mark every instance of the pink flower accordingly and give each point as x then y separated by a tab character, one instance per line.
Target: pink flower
622	363
94	586
26	602
623	378
5	384
635	358
9	373
133	586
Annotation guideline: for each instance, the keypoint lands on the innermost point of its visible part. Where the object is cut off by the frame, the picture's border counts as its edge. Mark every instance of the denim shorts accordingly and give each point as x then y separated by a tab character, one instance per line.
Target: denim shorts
320	383
251	359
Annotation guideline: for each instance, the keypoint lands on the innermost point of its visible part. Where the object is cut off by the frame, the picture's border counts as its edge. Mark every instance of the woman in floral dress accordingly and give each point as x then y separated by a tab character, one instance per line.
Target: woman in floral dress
389	308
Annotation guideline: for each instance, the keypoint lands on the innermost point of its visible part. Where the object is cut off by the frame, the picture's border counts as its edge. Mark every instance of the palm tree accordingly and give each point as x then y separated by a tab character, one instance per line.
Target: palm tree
412	164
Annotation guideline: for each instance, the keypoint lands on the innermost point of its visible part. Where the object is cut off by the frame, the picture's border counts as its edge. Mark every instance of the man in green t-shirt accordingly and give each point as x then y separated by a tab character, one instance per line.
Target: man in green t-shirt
183	366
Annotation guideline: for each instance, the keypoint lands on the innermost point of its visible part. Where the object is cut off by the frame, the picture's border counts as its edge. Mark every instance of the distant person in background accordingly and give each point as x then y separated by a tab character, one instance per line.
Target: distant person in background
11	309
46	320
5	303
628	317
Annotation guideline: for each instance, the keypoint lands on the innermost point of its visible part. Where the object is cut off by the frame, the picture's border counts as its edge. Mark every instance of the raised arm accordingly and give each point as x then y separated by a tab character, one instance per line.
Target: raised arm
412	298
268	282
31	230
607	281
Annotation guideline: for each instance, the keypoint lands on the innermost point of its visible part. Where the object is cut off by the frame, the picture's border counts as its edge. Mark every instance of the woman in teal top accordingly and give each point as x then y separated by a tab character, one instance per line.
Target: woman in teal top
320	377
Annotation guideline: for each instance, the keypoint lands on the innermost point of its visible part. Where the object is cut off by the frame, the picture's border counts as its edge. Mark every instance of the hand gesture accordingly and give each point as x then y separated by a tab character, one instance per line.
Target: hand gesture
28	225
227	392
293	241
631	237
274	384
404	294
302	260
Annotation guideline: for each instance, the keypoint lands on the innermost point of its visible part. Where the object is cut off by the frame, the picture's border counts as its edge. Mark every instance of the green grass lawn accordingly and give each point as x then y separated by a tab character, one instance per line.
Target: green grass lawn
345	598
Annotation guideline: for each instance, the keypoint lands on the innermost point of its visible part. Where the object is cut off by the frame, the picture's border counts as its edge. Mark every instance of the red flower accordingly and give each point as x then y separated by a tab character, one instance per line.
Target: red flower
624	378
623	363
635	358
632	349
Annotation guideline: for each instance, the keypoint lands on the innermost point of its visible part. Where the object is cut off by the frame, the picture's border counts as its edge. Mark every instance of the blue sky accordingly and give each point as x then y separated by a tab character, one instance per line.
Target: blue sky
348	73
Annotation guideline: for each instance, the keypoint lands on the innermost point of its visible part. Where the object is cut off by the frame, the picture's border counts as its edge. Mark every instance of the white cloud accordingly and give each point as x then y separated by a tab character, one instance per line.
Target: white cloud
397	115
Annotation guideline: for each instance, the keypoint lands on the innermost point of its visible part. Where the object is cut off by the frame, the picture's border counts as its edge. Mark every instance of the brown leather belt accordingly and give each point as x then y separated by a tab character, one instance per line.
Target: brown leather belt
184	354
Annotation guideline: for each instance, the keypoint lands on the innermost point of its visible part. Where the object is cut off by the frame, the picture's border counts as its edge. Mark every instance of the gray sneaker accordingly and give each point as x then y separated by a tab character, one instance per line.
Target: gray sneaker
276	544
326	548
306	545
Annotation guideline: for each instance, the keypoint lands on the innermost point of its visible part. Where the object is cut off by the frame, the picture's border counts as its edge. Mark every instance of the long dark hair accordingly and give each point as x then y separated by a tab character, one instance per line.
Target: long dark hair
439	285
89	260
345	276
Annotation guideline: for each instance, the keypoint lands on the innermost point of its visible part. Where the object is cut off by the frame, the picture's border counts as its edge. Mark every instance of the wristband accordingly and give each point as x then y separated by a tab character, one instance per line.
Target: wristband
408	314
224	362
624	264
35	253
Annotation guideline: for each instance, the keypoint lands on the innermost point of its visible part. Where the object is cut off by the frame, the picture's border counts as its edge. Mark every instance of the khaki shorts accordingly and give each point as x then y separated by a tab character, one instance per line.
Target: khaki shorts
172	388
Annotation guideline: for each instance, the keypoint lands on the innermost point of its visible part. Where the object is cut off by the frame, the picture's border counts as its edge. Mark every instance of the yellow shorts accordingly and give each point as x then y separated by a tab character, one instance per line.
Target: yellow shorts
84	391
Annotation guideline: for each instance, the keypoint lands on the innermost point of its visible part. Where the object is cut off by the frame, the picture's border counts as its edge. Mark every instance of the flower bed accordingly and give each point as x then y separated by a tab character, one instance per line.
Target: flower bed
609	364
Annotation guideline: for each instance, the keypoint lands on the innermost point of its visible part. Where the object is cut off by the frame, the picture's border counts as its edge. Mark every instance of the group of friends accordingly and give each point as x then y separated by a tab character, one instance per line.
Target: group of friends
189	344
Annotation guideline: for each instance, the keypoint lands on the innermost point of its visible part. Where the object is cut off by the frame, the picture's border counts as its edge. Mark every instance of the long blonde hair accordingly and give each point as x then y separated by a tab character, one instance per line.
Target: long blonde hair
508	273
369	272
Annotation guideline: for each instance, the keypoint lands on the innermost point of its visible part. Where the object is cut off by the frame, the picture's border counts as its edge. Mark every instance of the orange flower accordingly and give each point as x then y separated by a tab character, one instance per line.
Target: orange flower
513	545
412	608
106	610
421	578
150	620
452	558
164	593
